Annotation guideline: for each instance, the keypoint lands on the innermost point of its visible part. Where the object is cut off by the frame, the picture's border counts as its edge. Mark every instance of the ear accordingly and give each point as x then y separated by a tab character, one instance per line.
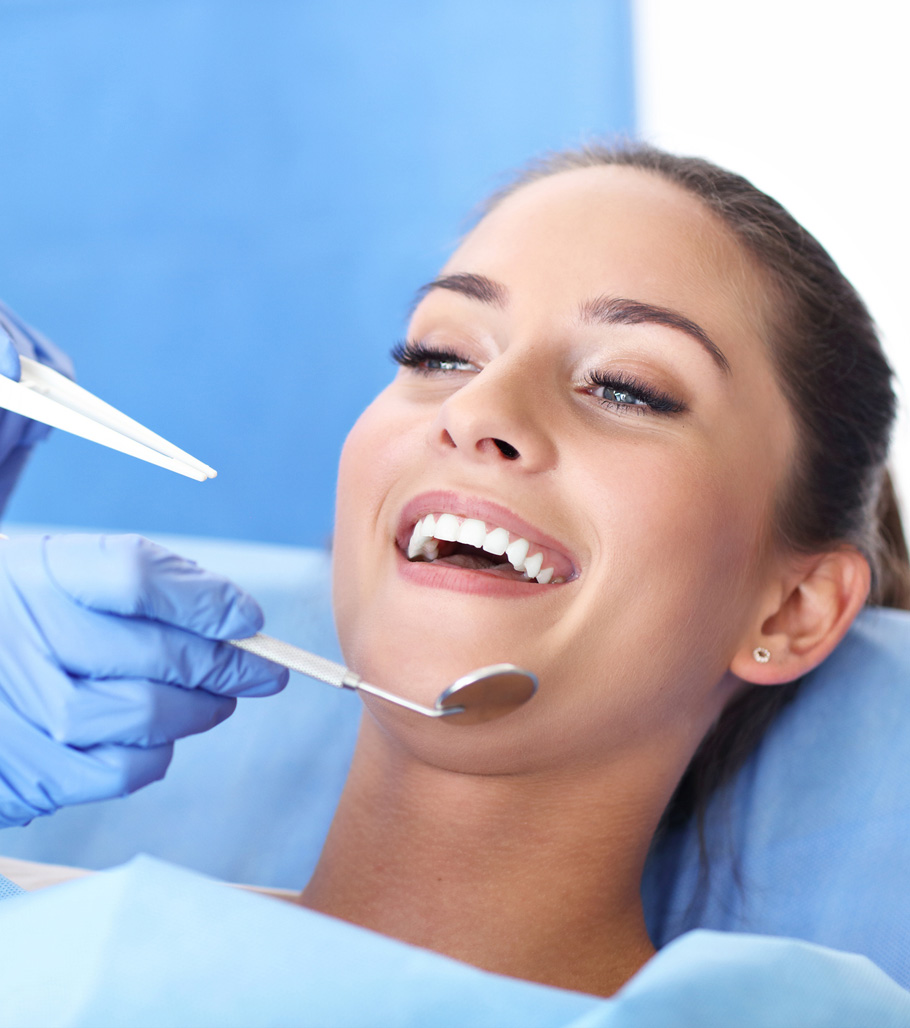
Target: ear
807	618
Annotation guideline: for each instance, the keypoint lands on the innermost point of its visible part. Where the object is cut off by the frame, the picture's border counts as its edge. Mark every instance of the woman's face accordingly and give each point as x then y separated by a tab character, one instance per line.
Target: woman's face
587	374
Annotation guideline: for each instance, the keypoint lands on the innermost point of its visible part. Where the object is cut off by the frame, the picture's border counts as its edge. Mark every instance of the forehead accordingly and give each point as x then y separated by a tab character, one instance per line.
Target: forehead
623	231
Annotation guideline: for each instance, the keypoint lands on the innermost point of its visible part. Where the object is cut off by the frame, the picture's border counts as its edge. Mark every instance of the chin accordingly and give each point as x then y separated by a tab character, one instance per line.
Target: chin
535	737
501	747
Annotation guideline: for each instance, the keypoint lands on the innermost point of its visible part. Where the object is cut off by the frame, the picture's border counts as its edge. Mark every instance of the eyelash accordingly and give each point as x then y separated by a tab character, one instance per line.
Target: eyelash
654	399
417	356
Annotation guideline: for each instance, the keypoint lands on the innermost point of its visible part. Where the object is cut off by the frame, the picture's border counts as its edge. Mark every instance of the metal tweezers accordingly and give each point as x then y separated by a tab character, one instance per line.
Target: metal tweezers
45	395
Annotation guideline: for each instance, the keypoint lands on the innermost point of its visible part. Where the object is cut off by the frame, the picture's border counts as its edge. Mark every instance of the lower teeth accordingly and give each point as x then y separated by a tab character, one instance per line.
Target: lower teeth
475	559
467	562
481	563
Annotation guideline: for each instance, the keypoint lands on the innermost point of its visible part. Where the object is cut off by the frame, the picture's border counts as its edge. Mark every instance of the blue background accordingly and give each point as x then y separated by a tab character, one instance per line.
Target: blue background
221	210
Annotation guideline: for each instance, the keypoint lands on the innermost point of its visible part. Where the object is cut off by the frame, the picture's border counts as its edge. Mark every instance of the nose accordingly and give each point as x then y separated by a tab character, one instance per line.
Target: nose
493	419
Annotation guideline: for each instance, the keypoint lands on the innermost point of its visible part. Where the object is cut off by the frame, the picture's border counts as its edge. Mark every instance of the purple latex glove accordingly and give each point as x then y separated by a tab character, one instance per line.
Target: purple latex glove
109	652
17	434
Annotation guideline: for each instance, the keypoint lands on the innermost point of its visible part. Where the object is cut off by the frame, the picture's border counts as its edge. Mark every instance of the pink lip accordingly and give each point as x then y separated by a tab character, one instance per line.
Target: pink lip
492	514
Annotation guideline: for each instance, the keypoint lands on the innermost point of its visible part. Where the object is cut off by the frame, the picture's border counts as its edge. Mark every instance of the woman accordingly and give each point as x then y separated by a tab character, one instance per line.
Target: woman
641	367
636	444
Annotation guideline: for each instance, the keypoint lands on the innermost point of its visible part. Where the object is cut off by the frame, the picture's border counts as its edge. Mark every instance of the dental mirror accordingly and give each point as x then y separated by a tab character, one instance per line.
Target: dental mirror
482	695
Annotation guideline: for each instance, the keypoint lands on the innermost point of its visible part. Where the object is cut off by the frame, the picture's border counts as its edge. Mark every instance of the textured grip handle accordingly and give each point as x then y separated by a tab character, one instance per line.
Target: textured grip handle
298	660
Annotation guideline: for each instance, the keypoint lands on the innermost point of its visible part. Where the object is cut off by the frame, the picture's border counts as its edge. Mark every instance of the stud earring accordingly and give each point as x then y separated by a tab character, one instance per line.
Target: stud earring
761	654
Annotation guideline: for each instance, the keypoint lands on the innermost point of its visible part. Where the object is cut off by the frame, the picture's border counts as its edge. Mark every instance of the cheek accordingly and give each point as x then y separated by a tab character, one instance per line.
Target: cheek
378	450
354	506
353	493
671	506
658	621
378	447
680	540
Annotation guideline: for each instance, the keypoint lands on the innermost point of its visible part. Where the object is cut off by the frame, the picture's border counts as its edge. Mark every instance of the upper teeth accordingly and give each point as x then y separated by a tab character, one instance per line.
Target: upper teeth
472	532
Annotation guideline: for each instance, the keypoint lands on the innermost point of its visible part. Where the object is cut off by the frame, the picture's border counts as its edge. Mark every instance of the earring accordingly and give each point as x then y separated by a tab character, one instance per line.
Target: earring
761	654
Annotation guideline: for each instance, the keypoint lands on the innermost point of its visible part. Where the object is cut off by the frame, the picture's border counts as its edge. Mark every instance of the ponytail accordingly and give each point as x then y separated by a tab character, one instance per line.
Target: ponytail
892	585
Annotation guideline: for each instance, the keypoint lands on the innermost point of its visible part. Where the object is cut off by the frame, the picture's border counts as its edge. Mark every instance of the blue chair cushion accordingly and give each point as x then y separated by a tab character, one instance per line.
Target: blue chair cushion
812	837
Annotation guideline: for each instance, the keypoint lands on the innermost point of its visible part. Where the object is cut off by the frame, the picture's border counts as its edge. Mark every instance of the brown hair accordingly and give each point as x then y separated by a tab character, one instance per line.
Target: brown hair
830	366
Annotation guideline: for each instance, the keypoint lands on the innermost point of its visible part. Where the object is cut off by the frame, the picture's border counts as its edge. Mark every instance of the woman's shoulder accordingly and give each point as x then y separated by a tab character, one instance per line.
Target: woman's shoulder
31	875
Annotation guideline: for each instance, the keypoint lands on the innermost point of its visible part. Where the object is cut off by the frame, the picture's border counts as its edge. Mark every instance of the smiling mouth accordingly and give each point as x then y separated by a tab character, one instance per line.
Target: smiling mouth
472	545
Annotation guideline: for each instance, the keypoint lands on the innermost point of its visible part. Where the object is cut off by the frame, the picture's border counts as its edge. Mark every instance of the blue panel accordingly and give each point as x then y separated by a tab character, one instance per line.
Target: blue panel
220	208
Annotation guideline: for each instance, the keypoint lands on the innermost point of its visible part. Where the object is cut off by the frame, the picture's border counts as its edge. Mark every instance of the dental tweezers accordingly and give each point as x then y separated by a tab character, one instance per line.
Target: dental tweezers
45	395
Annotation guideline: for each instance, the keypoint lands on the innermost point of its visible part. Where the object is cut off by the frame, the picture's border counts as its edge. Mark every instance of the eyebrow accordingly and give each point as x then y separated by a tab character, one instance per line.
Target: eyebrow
477	287
604	310
615	310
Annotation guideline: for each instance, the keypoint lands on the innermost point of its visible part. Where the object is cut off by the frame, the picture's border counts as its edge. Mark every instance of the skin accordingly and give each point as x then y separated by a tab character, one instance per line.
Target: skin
518	845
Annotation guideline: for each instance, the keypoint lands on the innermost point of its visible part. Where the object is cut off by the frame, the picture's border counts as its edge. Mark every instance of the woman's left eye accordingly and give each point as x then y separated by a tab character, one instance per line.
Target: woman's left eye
627	394
622	396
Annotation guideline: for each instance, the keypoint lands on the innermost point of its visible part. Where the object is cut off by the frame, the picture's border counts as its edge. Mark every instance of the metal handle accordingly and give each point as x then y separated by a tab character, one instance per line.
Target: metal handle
296	659
309	664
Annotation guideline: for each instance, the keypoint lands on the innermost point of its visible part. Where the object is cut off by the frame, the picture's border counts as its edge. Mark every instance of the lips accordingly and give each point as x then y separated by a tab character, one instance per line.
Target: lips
480	537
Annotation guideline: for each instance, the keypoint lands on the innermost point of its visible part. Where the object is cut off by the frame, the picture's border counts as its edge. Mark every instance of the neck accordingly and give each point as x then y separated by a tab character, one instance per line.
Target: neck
532	876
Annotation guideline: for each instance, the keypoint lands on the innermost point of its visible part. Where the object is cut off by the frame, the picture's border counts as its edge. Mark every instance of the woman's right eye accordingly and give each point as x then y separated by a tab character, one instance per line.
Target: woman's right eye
429	359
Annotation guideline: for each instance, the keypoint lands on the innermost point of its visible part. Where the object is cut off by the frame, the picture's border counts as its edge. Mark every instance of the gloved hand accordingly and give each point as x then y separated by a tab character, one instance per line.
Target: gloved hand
18	434
107	655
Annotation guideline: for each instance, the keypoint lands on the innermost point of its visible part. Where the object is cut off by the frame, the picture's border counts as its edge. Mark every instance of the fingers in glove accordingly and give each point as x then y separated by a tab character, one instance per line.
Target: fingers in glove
9	355
129	575
54	631
103	646
135	713
31	343
40	775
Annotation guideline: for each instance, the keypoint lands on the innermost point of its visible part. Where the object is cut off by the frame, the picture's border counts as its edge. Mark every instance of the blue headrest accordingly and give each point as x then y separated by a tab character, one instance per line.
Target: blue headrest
812	838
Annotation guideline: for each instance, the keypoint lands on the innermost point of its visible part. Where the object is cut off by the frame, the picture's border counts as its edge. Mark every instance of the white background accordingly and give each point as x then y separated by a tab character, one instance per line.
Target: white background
809	100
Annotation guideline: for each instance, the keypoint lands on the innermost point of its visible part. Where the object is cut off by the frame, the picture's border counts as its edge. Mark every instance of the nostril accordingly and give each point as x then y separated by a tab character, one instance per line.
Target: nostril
506	449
